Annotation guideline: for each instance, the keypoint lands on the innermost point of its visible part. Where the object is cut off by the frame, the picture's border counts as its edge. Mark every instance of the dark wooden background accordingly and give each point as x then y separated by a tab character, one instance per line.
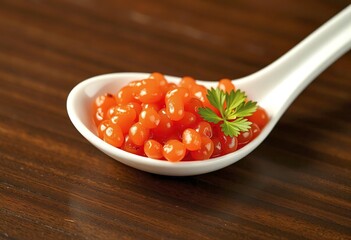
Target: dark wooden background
55	185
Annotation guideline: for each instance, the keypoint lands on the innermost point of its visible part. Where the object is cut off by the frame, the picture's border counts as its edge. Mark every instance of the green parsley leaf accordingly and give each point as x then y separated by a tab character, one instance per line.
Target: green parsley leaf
233	110
209	115
246	109
233	128
234	99
216	97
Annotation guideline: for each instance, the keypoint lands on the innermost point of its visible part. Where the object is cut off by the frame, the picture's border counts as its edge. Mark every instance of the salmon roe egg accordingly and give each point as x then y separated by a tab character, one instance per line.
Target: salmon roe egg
125	110
129	146
180	92
101	105
175	100
156	106
113	135
188	120
136	106
193	106
230	144
160	80
175	108
138	134
217	147
255	130
205	151
125	95
149	92
226	85
102	127
153	149
165	125
174	150
187	82
204	128
149	118
191	139
260	117
124	118
244	137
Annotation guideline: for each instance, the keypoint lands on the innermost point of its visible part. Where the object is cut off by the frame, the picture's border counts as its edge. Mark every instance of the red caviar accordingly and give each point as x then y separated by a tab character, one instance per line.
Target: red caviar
159	119
153	149
191	139
226	85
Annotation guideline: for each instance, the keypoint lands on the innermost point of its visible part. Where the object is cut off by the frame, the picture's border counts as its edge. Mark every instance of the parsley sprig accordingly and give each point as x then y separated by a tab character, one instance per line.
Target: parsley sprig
232	108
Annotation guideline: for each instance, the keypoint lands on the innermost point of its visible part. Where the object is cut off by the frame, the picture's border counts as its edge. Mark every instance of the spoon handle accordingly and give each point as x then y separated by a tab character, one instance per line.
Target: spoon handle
282	81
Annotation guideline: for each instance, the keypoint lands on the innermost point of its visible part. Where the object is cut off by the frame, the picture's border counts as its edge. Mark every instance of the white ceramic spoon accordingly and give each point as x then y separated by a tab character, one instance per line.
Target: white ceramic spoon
274	88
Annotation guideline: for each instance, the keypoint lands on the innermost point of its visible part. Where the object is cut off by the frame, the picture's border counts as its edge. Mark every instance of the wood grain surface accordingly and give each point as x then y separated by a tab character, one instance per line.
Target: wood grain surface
55	185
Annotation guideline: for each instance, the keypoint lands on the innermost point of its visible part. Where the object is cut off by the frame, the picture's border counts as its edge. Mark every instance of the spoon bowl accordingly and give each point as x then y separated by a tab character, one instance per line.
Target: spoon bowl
274	88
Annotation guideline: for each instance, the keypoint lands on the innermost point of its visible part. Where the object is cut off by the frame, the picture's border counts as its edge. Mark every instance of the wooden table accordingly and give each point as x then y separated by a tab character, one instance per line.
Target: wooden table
55	185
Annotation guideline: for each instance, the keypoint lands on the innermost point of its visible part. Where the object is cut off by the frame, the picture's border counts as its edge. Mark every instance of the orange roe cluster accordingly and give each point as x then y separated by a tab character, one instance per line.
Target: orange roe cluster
159	119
